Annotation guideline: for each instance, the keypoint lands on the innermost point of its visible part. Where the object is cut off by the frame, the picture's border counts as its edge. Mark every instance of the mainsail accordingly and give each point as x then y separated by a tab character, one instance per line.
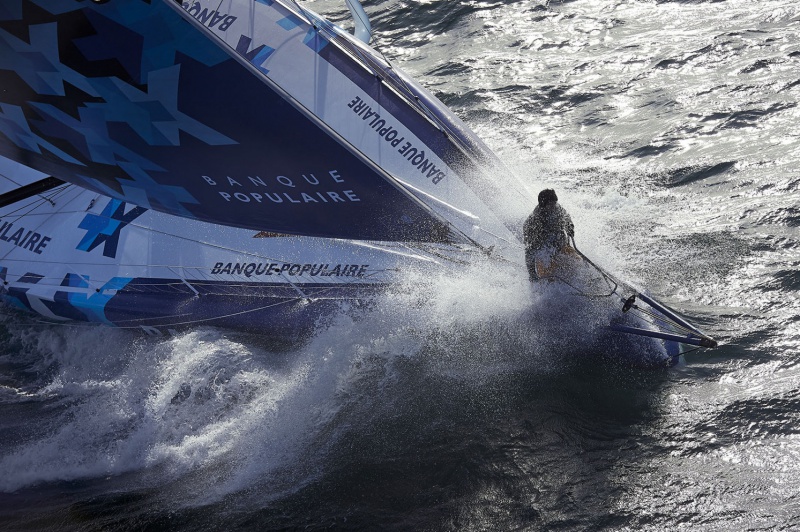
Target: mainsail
250	113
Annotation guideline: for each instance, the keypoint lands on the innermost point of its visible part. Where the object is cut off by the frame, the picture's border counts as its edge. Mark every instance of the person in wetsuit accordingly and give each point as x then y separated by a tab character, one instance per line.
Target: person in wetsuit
547	231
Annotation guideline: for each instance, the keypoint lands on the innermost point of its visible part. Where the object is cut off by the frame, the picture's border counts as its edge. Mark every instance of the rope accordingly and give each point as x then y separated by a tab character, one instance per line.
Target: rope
674	327
189	322
34	206
606	276
656	320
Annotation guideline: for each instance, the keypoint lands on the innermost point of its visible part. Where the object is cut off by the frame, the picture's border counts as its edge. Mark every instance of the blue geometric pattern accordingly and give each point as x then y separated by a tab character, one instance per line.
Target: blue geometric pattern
56	7
256	56
162	35
17	296
145	192
154	114
15	126
38	62
130	99
290	22
118	44
105	228
75	281
315	40
262	56
10	10
93	306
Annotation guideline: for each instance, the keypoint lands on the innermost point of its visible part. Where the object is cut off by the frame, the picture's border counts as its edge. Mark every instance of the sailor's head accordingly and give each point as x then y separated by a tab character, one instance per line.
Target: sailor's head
547	196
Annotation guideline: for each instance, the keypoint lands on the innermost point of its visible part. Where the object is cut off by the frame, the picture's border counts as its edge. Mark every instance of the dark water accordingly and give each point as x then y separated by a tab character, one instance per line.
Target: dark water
669	130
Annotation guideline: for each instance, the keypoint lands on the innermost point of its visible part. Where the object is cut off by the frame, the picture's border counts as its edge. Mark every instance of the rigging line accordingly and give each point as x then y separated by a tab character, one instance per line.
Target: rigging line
315	284
515	243
318	291
602	272
4	176
61	212
204	243
19	185
192	322
223	316
50	198
144	319
304	13
35	188
289	300
195	268
445	257
46	219
211	287
34	204
687	352
666	322
660	322
221	247
57	191
579	291
606	277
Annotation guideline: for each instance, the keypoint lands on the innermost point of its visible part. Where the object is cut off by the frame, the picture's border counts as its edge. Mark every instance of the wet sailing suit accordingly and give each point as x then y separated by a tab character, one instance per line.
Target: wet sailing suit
546	232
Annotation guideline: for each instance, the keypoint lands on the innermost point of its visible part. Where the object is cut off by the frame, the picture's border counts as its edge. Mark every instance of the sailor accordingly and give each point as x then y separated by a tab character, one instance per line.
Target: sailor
546	232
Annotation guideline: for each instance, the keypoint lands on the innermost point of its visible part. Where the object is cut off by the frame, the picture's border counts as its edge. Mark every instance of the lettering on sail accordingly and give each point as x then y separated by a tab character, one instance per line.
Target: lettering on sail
210	18
328	188
389	133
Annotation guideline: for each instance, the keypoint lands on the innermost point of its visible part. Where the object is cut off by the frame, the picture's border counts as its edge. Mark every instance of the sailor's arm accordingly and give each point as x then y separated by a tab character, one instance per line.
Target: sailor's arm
528	231
569	227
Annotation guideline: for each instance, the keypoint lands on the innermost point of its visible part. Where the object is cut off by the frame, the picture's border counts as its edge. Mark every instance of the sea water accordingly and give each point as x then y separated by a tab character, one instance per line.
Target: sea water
669	131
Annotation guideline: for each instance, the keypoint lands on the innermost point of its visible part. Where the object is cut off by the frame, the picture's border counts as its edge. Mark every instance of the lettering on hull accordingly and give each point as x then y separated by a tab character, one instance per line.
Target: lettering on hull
313	270
24	238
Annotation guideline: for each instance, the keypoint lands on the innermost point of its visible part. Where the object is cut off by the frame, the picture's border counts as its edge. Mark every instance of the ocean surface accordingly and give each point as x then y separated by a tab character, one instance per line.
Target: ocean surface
670	131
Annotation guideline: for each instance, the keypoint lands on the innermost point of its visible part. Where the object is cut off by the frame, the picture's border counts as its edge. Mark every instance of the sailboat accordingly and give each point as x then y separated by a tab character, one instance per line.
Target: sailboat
245	164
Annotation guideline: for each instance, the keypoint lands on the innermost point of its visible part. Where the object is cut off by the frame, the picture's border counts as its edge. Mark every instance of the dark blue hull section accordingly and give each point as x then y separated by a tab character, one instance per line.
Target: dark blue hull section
279	312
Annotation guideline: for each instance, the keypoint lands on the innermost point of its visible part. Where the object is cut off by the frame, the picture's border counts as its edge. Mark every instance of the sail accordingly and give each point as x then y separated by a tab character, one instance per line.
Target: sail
72	254
253	114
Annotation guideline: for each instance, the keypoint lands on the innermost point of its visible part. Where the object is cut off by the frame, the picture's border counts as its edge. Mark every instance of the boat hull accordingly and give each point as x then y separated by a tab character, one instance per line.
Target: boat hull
71	255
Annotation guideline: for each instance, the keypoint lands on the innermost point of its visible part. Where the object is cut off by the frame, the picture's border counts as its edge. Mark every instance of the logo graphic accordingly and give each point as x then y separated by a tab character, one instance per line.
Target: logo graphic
104	228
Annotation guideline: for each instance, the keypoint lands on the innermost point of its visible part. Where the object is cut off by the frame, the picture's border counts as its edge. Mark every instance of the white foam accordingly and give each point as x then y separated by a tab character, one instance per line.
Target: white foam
228	414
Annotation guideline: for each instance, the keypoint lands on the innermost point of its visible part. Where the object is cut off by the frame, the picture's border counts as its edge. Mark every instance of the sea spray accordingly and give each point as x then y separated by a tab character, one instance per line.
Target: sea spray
180	404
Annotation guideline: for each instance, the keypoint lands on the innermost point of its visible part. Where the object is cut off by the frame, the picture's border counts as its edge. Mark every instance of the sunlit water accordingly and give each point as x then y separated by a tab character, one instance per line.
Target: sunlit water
669	131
